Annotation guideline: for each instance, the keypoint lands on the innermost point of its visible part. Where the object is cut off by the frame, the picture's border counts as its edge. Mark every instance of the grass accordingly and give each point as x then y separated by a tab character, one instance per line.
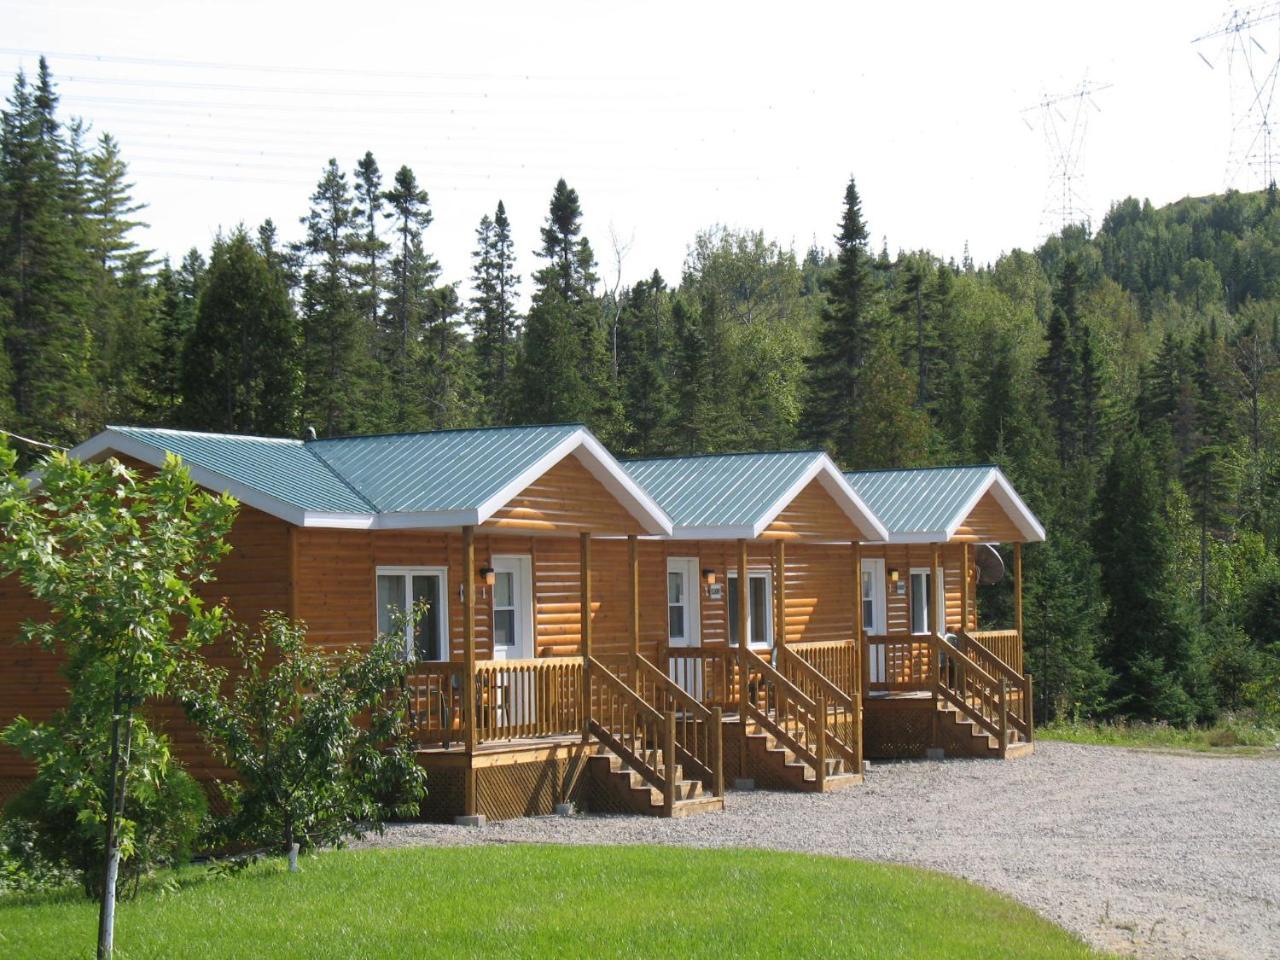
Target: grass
549	901
1232	735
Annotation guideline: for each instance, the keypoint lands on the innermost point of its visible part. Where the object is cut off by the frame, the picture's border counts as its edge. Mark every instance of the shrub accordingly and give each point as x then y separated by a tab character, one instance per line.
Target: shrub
57	828
318	741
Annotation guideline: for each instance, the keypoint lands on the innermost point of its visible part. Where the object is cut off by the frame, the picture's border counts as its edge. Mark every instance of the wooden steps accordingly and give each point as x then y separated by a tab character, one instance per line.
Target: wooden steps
966	738
634	793
776	767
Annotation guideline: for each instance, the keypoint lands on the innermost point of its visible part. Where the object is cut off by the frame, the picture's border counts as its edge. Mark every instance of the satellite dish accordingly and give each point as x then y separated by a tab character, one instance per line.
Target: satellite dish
989	563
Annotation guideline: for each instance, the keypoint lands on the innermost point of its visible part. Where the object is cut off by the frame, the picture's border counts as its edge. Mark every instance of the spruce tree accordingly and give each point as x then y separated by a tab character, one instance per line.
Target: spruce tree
493	316
178	293
241	369
335	347
370	249
846	334
645	361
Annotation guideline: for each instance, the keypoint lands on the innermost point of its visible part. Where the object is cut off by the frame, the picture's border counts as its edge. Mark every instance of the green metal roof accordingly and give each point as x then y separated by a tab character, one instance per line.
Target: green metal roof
283	469
446	477
720	490
919	501
444	470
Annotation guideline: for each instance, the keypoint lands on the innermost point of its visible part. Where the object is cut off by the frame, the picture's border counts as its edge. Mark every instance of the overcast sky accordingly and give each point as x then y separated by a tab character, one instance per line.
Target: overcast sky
666	117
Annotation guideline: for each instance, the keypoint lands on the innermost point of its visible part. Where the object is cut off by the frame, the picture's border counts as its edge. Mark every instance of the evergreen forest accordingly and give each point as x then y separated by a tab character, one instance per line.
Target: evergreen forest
1127	378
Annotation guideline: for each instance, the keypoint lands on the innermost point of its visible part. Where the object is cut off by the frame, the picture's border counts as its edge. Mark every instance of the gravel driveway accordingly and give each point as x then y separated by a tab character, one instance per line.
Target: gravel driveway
1150	854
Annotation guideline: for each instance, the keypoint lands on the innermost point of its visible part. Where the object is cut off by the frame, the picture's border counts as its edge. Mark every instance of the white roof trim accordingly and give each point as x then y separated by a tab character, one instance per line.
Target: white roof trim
1000	487
109	441
601	465
834	482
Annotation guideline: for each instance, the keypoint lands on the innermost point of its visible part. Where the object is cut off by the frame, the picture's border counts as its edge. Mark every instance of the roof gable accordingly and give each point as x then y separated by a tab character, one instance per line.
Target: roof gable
737	495
930	505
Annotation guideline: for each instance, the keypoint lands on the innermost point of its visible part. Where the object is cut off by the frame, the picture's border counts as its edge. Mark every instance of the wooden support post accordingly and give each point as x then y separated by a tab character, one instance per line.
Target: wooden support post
469	693
669	764
717	752
744	591
1004	717
1028	706
584	619
780	594
821	780
1017	593
965	586
633	558
857	681
936	590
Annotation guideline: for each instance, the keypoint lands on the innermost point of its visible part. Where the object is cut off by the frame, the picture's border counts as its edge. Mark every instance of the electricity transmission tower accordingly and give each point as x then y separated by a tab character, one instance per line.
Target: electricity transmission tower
1253	67
1064	120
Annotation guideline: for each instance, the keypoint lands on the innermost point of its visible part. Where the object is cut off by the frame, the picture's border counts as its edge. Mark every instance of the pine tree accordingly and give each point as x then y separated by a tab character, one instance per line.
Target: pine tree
241	369
179	293
335	352
645	359
45	272
894	432
492	314
564	365
1152	640
369	249
845	338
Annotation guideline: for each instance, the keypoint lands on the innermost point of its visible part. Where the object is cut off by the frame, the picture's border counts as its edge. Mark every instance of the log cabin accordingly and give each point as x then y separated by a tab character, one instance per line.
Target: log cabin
591	608
934	682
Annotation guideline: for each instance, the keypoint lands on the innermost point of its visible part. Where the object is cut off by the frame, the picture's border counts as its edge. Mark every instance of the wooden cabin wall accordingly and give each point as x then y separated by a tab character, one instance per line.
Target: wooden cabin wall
252	579
906	556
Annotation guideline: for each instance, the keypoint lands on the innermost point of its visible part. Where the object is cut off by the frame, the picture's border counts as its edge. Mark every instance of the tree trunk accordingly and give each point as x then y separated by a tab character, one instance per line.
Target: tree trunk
115	809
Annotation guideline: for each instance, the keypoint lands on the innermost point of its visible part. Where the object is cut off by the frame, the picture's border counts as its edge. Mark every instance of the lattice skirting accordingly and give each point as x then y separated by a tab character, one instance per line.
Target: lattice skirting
896	730
10	787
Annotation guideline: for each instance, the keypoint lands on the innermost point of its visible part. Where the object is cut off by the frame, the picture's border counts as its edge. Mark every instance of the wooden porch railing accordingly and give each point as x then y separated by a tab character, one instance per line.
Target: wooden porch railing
1004	644
895	663
640	735
708	674
841	718
973	691
831	658
515	699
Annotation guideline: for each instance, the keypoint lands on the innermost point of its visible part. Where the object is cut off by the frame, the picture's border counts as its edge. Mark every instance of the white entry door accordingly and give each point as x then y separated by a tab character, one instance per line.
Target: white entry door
512	608
684	622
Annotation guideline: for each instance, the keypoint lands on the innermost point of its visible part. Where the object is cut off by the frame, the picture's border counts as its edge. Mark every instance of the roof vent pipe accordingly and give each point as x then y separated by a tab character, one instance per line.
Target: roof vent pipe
311	433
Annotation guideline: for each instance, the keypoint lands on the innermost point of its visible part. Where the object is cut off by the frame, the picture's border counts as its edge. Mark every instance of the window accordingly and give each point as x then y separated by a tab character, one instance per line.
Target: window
400	588
921	595
677	606
504	609
873	596
759	609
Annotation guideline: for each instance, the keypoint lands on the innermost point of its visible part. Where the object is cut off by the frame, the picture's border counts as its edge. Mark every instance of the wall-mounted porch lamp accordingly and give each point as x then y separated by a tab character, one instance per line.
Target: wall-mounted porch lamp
488	576
708	576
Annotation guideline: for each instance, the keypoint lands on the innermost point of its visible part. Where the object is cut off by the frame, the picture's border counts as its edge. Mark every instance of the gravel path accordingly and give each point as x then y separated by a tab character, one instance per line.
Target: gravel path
1149	854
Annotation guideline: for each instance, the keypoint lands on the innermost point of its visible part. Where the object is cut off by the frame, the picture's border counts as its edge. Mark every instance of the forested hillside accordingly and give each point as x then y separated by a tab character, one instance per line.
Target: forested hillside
1128	381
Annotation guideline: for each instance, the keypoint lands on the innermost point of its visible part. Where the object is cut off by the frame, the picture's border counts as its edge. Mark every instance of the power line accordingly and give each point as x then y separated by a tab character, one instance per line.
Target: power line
34	443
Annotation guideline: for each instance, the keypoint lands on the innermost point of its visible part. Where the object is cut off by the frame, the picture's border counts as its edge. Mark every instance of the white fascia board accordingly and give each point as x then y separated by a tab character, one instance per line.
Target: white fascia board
1008	498
739	532
426	520
601	465
834	483
102	445
918	536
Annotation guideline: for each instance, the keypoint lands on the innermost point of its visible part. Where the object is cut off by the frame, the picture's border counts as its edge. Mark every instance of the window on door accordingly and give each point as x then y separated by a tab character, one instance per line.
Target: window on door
402	589
512	608
759	610
682	601
921	597
504	609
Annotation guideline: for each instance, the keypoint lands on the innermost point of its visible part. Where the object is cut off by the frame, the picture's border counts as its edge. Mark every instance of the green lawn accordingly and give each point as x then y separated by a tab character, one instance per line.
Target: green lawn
550	901
1229	736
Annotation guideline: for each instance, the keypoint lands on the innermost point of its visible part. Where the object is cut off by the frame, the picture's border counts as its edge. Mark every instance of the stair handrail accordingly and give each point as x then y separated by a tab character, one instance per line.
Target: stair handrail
649	723
1019	716
990	689
710	759
811	727
832	694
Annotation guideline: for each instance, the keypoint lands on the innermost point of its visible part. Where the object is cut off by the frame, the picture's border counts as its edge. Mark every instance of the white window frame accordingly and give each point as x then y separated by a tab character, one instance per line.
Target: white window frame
687	567
441	612
879	596
521	568
767	577
937	611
